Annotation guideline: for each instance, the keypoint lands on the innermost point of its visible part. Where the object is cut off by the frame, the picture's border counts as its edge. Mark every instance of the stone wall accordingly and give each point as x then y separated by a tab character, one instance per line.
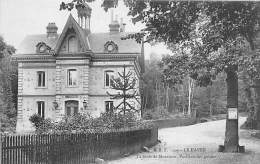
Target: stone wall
90	87
97	89
29	93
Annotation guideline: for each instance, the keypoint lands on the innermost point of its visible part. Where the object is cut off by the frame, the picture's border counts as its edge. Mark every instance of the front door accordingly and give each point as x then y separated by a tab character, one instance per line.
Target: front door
72	107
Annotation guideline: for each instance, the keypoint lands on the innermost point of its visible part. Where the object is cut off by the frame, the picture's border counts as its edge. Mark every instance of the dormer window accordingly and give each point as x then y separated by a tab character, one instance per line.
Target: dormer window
42	47
110	47
72	44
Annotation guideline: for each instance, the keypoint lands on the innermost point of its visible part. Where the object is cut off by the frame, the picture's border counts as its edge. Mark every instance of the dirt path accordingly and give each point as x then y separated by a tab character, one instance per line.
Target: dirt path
204	138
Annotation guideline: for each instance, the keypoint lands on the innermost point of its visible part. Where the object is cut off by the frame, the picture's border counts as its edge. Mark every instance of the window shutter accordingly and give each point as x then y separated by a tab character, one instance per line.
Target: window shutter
43	79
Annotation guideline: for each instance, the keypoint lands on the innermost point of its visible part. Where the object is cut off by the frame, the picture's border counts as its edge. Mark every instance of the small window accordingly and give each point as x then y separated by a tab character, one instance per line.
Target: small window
42	48
41	78
41	108
72	44
72	77
109	75
109	106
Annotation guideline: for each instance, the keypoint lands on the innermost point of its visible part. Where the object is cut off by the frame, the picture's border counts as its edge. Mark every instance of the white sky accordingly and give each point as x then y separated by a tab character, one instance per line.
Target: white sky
19	18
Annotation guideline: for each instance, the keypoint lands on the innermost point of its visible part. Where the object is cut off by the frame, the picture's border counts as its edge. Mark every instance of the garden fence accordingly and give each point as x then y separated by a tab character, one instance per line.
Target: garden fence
75	148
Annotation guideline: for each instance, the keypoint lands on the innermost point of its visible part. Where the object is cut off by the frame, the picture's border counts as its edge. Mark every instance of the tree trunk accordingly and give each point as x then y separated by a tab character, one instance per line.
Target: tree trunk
190	86
167	97
183	99
257	102
231	143
157	94
210	103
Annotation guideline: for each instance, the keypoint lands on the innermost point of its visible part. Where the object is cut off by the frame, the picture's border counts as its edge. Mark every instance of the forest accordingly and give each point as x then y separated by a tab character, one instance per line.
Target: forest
202	101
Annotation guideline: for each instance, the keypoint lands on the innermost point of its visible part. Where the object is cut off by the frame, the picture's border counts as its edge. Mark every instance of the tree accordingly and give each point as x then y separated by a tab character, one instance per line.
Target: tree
8	87
214	36
125	84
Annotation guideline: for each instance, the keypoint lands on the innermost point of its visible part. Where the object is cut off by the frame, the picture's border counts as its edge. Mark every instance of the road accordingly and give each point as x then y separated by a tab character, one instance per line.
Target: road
203	139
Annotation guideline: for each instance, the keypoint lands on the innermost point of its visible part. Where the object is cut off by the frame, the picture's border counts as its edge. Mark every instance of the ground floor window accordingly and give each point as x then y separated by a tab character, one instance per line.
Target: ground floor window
41	108
72	107
109	106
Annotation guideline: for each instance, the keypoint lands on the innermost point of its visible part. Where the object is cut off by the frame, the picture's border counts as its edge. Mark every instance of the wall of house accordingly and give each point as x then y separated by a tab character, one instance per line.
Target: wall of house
65	92
29	107
90	87
30	79
62	67
29	93
97	89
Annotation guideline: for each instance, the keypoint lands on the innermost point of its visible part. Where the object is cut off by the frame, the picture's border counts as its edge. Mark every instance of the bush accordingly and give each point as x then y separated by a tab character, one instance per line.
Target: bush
86	123
157	113
36	120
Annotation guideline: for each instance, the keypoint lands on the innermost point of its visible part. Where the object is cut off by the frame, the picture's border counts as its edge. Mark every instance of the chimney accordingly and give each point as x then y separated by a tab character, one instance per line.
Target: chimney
122	25
52	30
112	15
84	15
114	25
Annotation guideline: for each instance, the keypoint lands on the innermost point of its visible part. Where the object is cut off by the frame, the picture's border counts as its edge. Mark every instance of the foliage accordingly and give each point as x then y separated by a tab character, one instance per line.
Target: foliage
80	3
156	113
209	100
215	33
85	123
125	85
36	119
8	87
211	37
219	38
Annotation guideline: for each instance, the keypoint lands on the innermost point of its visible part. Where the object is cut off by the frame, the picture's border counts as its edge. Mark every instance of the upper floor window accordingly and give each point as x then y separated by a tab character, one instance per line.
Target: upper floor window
41	108
72	77
109	106
72	44
109	75
41	78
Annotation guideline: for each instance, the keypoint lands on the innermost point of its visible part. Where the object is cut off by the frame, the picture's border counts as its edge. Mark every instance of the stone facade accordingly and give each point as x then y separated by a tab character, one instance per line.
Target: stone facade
60	68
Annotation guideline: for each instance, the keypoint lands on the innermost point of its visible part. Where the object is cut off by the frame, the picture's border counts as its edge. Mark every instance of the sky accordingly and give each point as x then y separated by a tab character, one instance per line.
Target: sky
19	18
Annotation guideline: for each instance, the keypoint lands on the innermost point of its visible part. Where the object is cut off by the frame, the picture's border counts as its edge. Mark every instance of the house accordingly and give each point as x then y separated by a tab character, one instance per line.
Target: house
64	74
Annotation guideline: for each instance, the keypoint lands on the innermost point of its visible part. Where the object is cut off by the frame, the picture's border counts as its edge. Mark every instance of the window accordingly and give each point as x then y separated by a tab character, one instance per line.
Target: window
109	106
42	48
109	75
41	78
41	111
72	77
72	44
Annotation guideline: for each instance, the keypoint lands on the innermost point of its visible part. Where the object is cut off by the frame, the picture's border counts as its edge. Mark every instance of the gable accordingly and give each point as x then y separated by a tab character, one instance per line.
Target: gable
72	38
71	42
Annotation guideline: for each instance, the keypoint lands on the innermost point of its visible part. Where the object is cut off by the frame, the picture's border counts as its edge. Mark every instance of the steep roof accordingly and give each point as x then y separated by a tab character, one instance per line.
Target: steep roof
91	41
28	45
71	23
98	40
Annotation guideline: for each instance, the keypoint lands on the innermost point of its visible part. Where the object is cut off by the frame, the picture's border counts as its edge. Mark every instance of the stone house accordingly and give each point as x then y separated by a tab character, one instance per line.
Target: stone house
63	74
